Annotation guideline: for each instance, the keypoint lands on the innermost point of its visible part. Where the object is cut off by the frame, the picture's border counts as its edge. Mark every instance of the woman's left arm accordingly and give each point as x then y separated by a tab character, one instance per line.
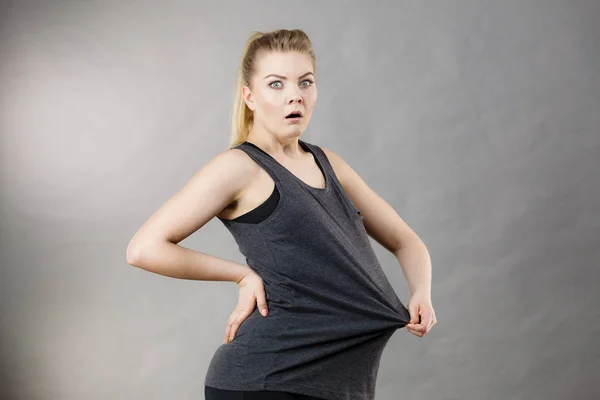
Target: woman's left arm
387	228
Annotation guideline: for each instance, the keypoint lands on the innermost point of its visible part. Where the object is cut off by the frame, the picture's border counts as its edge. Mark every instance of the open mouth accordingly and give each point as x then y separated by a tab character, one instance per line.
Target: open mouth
295	114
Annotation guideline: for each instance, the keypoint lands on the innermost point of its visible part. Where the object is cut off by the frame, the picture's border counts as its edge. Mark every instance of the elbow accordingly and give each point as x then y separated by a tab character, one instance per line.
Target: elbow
140	251
132	254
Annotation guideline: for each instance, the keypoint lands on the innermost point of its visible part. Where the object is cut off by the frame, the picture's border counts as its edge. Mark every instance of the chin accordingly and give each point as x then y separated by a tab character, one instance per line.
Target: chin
297	131
292	134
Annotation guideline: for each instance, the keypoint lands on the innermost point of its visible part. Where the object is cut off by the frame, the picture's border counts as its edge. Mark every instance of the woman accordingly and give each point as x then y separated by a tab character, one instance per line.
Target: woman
301	216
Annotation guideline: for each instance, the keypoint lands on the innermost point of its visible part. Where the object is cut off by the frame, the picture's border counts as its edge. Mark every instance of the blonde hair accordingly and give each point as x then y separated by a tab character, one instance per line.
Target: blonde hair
283	40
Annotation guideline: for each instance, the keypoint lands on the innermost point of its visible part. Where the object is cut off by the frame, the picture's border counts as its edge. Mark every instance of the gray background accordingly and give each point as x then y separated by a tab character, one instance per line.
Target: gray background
478	121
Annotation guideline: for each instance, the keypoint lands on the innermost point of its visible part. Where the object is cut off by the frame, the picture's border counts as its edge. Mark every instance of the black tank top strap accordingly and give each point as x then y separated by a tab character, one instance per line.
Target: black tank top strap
336	184
262	159
323	160
283	177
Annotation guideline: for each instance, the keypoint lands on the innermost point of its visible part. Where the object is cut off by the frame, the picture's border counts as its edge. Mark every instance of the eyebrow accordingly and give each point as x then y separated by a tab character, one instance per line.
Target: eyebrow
283	77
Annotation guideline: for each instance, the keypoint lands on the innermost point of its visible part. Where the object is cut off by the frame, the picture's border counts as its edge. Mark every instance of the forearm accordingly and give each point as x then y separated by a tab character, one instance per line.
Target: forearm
415	262
176	261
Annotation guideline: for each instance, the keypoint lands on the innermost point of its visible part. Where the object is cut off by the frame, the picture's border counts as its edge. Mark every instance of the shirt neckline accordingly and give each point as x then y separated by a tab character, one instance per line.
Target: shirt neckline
317	161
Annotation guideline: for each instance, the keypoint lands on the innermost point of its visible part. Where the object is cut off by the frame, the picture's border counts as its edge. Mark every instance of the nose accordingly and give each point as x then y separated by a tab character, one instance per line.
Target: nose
296	99
295	96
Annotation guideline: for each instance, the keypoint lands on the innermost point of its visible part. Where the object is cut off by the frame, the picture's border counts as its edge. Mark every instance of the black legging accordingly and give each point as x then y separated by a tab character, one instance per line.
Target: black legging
211	393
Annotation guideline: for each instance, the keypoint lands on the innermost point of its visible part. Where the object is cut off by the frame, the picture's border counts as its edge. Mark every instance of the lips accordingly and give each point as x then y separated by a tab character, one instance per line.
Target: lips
295	114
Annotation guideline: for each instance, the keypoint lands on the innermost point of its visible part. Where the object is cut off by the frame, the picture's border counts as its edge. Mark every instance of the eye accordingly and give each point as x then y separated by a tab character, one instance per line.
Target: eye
310	82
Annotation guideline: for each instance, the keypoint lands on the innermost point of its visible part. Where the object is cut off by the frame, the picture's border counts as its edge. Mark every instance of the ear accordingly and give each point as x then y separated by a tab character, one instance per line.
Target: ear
248	97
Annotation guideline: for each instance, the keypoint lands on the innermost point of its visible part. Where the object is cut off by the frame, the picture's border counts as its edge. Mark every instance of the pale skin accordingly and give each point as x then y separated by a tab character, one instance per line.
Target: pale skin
232	184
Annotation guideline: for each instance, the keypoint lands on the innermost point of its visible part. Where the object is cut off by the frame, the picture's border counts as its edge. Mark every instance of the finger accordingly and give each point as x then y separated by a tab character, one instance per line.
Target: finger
261	302
229	328
426	318
432	322
238	320
416	327
232	331
430	326
231	334
414	332
234	326
413	309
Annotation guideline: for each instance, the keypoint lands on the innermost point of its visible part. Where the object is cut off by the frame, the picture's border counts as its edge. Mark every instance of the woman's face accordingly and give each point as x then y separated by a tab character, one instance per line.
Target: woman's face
283	82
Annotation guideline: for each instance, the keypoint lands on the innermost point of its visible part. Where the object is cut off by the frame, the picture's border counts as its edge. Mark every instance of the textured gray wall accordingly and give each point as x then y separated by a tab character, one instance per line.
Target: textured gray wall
478	121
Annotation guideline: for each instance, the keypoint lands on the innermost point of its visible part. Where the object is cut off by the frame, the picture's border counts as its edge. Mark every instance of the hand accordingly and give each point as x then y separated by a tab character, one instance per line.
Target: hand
422	316
252	292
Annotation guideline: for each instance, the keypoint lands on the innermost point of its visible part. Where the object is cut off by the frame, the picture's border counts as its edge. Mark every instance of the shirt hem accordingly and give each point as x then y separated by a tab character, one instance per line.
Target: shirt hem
319	392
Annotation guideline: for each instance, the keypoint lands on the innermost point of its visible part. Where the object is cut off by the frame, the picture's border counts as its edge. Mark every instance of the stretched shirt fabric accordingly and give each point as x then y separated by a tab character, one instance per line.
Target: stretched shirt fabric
332	309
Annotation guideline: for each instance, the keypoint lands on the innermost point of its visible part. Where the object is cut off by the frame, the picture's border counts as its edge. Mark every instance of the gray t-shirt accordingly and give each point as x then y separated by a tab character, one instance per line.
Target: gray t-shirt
332	309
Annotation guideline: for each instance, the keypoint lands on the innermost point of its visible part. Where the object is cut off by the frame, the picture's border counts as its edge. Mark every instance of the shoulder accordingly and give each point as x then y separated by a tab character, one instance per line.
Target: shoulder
235	161
231	161
232	168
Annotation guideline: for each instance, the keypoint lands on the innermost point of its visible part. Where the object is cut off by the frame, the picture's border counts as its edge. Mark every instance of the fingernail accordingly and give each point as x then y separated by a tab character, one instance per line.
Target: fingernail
264	311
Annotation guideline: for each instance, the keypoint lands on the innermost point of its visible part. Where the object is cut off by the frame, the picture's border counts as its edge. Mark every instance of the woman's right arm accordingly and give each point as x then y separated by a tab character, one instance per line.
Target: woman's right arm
154	247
